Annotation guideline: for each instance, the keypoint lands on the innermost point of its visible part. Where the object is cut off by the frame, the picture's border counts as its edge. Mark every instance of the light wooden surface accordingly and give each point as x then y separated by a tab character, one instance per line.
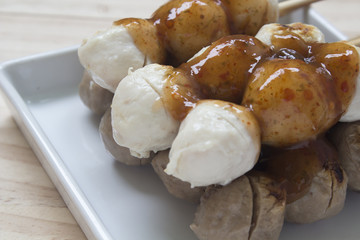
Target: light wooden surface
30	206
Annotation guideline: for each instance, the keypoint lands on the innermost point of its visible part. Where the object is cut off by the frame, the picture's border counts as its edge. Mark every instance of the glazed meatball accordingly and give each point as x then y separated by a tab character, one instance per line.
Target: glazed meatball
185	26
292	101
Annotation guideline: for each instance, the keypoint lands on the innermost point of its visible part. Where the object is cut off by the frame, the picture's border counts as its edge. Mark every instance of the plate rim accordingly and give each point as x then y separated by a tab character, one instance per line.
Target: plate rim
50	160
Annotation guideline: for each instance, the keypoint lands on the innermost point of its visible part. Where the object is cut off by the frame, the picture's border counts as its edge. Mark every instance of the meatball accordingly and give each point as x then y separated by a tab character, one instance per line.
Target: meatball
247	17
251	207
222	69
217	142
315	182
342	62
128	43
292	100
225	212
119	153
96	98
185	26
175	186
140	120
346	138
307	33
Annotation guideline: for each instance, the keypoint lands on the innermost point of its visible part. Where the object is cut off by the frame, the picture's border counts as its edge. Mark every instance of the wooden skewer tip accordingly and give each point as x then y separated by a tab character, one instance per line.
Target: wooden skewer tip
354	41
291	5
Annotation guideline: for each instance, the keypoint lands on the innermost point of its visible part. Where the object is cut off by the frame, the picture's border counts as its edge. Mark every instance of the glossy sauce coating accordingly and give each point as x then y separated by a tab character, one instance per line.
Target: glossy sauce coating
223	69
338	59
342	62
293	95
180	94
220	72
291	100
248	16
185	26
144	35
293	112
295	167
180	28
291	41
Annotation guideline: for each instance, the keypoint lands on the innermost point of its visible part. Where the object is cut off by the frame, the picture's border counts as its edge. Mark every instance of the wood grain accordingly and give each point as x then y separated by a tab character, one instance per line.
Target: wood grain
30	206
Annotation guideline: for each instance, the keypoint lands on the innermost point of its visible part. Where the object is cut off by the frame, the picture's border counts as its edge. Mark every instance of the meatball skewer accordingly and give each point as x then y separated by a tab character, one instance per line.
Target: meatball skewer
176	31
177	91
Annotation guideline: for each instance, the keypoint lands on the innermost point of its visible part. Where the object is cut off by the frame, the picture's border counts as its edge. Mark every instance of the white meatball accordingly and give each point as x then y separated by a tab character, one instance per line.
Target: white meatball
139	119
352	114
309	33
109	54
217	142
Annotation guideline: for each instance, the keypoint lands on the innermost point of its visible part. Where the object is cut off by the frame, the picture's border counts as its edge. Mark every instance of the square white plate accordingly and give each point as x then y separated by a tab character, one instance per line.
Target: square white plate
110	200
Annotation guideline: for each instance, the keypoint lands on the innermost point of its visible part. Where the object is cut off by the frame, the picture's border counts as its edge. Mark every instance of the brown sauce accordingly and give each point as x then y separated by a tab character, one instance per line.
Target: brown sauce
327	72
185	26
292	101
294	168
145	38
180	94
338	59
342	62
247	17
222	71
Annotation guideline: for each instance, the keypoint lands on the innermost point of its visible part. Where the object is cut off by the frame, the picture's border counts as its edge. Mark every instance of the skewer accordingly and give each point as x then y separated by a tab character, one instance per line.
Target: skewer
178	49
291	5
354	41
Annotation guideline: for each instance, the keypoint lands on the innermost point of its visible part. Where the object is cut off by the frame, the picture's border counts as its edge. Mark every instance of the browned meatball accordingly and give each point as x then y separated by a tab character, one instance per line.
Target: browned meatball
145	37
251	207
223	69
175	186
119	153
185	26
248	16
96	98
346	138
292	100
268	207
342	61
225	212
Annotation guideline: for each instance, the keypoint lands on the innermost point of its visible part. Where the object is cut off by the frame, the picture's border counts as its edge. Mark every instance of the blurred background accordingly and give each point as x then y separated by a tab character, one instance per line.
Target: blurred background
28	27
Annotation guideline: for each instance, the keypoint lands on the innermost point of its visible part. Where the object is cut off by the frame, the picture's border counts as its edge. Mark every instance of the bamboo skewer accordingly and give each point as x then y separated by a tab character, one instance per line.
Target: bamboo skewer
291	5
354	41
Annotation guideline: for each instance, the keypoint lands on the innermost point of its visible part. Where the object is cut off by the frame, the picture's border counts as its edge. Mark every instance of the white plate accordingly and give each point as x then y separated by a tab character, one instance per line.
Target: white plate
108	199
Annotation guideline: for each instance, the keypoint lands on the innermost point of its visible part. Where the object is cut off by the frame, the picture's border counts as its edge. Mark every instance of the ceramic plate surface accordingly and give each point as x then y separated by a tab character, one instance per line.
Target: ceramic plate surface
108	199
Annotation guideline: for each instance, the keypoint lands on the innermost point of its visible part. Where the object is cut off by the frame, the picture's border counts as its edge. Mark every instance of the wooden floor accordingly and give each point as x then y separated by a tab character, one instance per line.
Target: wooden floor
30	206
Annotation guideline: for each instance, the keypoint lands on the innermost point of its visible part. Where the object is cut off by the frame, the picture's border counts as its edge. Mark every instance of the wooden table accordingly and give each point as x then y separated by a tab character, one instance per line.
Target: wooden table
30	206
